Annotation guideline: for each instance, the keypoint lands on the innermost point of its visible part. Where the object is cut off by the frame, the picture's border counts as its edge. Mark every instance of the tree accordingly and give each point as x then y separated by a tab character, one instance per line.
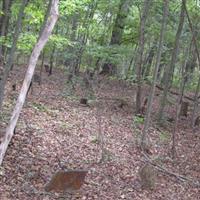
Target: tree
179	102
198	58
83	38
148	62
170	68
140	52
51	20
4	22
5	73
155	75
117	32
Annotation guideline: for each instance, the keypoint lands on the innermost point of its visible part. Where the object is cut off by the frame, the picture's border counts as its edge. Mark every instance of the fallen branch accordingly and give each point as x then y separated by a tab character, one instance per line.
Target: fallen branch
176	93
166	171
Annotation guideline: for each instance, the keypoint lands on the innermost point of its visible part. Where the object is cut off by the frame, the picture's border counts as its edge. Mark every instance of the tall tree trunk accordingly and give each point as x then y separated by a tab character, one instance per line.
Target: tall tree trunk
195	106
161	67
4	22
116	38
29	74
103	41
198	58
75	61
131	63
148	62
84	37
169	68
179	102
41	67
158	58
4	75
69	62
53	55
52	60
140	52
118	29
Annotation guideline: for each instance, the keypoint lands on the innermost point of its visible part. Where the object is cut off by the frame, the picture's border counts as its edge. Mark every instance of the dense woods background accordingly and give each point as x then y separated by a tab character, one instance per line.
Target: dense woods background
115	92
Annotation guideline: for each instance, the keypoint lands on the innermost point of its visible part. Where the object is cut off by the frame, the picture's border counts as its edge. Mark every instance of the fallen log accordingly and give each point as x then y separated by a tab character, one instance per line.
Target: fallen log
176	93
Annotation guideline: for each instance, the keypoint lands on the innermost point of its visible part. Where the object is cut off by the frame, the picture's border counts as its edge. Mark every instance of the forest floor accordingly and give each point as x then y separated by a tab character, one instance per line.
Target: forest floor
55	131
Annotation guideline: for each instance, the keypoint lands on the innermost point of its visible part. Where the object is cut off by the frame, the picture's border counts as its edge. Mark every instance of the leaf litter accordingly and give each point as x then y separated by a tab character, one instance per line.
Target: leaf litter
55	131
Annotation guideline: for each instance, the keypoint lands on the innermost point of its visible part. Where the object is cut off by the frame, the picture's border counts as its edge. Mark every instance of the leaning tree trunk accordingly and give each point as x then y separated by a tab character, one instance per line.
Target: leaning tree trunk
29	74
140	52
169	68
152	92
7	68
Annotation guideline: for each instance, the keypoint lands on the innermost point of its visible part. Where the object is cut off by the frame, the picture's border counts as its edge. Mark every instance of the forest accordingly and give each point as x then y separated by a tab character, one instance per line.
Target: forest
99	99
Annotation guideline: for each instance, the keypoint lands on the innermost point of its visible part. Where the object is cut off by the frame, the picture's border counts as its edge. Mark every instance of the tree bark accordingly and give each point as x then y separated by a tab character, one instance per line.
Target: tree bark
169	68
53	16
198	58
179	103
69	62
158	58
195	106
148	62
52	60
42	66
4	22
5	73
140	52
84	37
116	38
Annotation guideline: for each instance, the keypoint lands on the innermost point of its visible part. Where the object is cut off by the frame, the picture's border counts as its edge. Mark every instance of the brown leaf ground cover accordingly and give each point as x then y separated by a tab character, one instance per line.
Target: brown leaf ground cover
55	131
